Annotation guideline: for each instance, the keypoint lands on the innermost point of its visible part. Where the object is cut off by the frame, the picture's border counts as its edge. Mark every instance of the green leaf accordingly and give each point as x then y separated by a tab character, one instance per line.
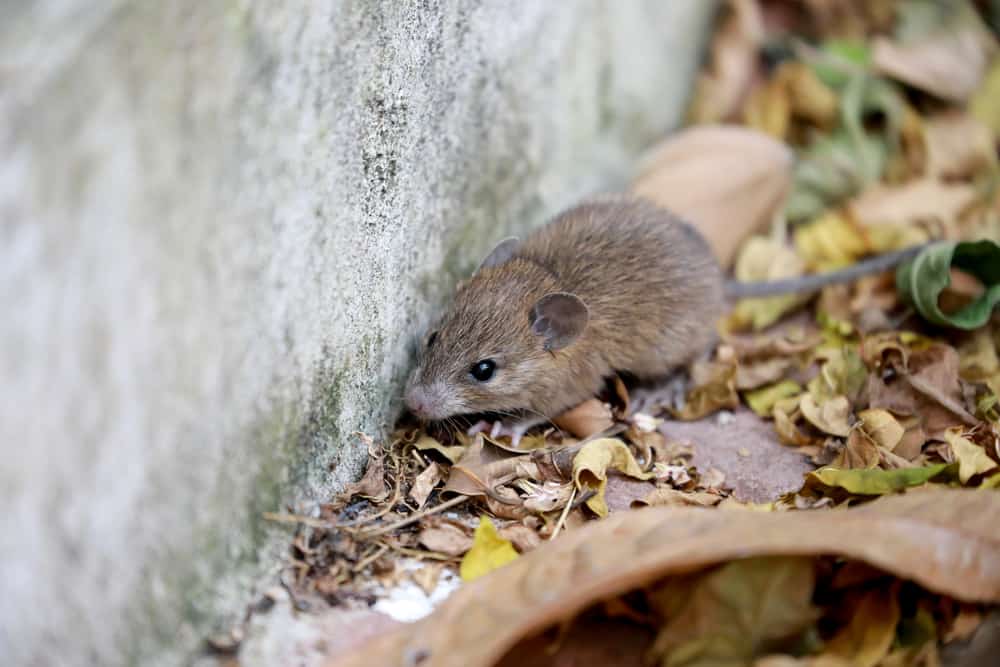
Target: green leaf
875	482
837	56
762	400
832	169
922	279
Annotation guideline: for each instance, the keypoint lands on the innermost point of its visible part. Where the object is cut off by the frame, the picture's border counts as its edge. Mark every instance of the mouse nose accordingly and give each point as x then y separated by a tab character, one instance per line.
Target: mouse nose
418	402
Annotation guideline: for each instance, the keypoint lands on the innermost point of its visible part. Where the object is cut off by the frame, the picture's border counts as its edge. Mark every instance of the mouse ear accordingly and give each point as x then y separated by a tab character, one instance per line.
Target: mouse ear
559	318
501	253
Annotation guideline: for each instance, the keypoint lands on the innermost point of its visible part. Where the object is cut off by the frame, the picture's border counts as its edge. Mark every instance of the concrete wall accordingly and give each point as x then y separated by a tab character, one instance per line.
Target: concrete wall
221	223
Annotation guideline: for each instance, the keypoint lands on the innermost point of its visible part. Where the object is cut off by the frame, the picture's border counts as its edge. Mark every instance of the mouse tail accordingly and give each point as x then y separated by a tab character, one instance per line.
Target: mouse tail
736	290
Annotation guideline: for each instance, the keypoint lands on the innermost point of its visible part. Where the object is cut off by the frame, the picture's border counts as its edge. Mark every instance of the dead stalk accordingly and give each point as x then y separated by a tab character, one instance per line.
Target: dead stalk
565	513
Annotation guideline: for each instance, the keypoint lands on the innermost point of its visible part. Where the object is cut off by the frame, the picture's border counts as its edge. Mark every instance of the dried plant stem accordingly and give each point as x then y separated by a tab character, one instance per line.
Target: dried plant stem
381	549
454	502
565	513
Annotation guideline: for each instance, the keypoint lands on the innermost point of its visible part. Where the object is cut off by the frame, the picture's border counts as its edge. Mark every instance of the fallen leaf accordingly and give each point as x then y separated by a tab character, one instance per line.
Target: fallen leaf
372	484
631	550
833	168
735	613
882	428
523	538
728	181
453	453
762	259
752	375
985	102
949	62
590	417
868	637
972	459
958	146
722	85
830	416
425	483
762	400
830	242
489	552
859	453
591	465
922	279
663	496
547	496
921	201
714	389
427	577
446	538
482	465
865	482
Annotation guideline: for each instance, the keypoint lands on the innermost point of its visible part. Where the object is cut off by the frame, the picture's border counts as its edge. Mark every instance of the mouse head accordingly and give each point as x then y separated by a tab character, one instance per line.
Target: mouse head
498	341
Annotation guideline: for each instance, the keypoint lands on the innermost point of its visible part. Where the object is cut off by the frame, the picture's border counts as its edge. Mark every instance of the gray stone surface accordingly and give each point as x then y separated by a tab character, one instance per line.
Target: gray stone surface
221	224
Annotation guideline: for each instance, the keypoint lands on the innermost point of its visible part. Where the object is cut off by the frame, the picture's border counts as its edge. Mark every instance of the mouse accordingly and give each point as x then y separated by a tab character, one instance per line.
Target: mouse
613	285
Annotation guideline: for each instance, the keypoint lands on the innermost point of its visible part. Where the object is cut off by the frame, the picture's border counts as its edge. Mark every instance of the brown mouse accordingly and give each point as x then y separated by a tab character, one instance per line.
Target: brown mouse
612	285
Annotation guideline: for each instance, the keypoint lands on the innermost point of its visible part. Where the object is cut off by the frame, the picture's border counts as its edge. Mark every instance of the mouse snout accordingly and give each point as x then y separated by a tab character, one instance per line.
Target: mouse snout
425	401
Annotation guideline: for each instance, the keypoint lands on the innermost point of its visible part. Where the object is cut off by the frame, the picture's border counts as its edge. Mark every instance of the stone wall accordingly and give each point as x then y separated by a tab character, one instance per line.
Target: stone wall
221	225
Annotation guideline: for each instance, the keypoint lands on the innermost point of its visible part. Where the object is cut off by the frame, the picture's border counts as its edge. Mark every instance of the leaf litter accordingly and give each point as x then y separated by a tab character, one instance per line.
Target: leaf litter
845	129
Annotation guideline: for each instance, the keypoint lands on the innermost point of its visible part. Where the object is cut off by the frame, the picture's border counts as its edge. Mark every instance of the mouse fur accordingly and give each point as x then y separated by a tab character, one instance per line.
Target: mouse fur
611	285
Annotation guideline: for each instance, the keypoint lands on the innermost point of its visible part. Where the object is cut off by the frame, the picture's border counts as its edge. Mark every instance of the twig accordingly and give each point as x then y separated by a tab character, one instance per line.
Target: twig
454	502
369	558
565	513
417	553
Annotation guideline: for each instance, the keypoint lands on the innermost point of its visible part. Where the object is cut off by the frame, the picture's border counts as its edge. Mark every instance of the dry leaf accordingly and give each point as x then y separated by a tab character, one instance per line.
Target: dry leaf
445	538
920	201
547	497
426	442
764	259
427	577
729	615
882	428
662	496
985	103
482	464
752	375
830	416
372	484
949	63
723	84
523	538
425	483
860	452
586	419
830	242
868	637
626	551
714	389
591	465
763	400
958	146
489	552
972	459
727	181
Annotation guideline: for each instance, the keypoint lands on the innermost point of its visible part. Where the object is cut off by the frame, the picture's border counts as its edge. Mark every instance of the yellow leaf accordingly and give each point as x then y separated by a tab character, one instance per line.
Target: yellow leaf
453	454
881	427
830	416
830	242
591	464
870	633
765	259
958	146
489	552
972	459
985	103
762	400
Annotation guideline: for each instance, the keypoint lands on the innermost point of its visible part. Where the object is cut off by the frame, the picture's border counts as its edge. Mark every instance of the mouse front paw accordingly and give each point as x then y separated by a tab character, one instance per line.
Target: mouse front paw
498	429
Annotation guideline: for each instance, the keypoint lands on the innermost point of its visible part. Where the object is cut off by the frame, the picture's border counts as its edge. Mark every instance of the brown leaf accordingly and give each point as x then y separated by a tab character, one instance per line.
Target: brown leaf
586	419
830	416
372	484
631	550
860	452
949	63
523	538
482	465
958	146
727	181
921	201
425	483
733	65
714	389
663	496
446	538
871	631
753	375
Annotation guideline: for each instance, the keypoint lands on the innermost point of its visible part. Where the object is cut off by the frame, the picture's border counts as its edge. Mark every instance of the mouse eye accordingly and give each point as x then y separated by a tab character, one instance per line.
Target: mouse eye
430	339
483	370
